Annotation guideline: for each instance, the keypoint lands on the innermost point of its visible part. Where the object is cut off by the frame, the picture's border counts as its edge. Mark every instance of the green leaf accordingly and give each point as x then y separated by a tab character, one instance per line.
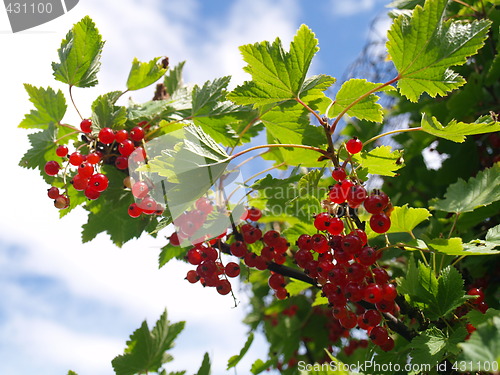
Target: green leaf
493	234
457	131
173	78
106	114
143	74
483	347
455	247
80	55
235	359
169	252
450	292
423	47
429	347
205	366
260	366
405	219
72	373
145	351
476	317
43	148
319	299
367	108
479	191
277	76
295	287
381	160
50	107
109	212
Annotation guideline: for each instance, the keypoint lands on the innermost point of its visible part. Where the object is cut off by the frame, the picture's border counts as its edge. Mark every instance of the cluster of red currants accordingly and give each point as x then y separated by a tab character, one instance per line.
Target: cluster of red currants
108	147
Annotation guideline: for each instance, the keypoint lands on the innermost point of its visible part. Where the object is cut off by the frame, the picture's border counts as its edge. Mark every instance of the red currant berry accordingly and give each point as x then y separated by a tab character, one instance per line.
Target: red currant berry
483	307
336	226
140	189
194	256
356	272
238	249
135	211
380	275
53	192
232	269
352	244
388	345
339	174
361	234
367	256
204	204
137	133
281	293
374	204
470	328
99	182
378	335
61	151
52	168
372	318
349	321
353	145
380	223
356	195
79	182
93	158
322	221
476	292
121	135
86	170
106	136
61	202
223	287
250	233
91	193
86	125
173	239
126	147
320	243
254	214
373	293
304	242
276	281
302	257
390	293
192	276
121	162
76	158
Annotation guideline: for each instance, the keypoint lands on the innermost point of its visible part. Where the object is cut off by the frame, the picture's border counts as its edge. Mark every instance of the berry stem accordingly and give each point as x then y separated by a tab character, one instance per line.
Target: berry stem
242	133
323	152
72	101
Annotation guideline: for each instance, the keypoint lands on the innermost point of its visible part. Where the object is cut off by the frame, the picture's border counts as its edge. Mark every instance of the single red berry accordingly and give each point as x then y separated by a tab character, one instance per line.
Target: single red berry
271	237
61	202
339	174
137	133
378	335
349	320
302	257
470	328
388	345
476	292
135	211
53	192
385	306
356	195
126	147
106	136
76	158
320	243
148	206
173	239
99	182
140	189
192	276
483	307
232	269
361	234
194	256
336	226
238	249
276	281
367	256
86	125
373	293
61	151
322	221
223	287
121	135
79	182
86	170
352	244
304	242
52	168
93	158
380	223
121	162
204	204
353	145
390	293
254	214
92	193
374	204
356	272
372	318
250	233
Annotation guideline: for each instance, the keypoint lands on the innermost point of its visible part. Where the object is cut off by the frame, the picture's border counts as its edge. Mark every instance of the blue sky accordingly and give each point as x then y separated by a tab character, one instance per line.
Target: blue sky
67	305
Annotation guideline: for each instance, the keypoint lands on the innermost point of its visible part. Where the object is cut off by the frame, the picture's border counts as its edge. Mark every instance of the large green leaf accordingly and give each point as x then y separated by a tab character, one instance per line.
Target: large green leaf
169	252
381	160
405	219
457	131
50	107
143	74
145	351
365	109
482	350
106	114
423	47
277	75
205	366
479	191
173	78
79	55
